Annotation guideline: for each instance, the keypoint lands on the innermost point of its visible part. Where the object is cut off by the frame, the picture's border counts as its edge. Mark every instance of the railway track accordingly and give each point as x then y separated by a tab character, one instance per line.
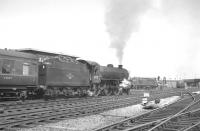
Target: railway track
69	104
33	113
187	120
49	104
32	103
149	120
15	109
34	117
194	127
61	105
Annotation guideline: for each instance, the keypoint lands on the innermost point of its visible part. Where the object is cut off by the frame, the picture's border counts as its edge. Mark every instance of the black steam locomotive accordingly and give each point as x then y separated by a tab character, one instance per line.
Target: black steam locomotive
31	73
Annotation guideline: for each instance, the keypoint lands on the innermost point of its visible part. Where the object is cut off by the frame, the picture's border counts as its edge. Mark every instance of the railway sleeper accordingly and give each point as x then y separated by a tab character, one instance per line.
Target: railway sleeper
181	124
152	118
194	127
14	127
169	129
187	122
128	124
177	124
142	127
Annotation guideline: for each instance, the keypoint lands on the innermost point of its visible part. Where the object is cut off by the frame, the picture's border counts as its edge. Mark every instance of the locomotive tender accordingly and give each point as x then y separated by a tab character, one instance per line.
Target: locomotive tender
36	73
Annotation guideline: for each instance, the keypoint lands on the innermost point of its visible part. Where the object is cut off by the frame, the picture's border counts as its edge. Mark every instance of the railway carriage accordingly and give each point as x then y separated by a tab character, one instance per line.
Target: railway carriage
18	72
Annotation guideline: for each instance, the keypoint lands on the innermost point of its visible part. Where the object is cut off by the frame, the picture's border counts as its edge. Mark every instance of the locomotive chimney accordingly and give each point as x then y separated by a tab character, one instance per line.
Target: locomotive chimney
120	66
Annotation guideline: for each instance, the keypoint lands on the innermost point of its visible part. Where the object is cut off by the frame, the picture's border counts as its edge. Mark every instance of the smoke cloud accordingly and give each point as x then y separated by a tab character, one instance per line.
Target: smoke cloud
121	19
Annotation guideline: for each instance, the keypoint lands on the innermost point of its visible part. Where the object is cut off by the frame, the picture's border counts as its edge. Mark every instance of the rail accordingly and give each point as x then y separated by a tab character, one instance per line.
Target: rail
187	111
156	128
145	120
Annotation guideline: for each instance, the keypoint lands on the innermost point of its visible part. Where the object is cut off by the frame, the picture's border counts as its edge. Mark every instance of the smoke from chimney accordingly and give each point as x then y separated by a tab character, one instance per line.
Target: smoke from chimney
121	19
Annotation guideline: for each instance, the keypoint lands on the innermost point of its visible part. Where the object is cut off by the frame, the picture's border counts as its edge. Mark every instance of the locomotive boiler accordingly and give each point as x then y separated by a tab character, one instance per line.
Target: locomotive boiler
105	80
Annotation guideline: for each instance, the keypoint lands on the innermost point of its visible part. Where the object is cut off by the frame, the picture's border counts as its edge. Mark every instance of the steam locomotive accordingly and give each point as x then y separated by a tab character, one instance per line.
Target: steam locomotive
31	73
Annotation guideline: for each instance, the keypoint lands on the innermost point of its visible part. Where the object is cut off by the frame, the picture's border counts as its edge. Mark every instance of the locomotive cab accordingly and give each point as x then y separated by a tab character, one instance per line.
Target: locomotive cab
94	69
95	76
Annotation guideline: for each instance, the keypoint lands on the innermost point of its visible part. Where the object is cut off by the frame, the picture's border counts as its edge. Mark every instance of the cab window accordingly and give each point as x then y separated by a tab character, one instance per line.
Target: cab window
8	66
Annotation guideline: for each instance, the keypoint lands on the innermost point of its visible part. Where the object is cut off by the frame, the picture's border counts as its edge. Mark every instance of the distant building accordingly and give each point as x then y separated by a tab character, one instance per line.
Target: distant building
171	83
192	83
144	83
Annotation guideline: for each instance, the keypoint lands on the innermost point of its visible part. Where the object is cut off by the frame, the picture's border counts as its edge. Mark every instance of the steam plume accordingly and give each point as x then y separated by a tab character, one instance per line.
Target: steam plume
122	18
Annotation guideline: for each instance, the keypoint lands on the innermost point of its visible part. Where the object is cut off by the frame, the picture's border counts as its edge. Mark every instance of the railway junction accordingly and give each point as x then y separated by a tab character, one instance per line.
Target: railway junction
100	113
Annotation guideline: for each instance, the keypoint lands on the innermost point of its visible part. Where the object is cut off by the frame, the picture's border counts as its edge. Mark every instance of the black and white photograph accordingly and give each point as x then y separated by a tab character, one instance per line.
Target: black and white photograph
99	65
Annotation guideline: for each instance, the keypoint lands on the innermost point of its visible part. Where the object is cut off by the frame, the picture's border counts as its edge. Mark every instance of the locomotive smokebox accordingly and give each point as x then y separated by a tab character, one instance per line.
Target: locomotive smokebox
120	66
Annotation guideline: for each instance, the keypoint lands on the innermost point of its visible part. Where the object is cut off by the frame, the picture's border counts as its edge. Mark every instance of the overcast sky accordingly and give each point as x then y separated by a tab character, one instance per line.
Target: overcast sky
149	37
